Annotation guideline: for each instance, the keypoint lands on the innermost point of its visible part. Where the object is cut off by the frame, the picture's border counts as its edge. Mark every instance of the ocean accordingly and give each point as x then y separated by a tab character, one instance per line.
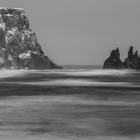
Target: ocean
75	103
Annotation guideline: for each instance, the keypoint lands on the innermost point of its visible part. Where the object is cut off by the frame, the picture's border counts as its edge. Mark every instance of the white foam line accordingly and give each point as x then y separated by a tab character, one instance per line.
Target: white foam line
71	82
86	72
10	73
100	72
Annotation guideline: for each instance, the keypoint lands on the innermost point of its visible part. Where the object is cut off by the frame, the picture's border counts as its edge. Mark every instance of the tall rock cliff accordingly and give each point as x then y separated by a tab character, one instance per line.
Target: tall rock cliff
114	61
19	48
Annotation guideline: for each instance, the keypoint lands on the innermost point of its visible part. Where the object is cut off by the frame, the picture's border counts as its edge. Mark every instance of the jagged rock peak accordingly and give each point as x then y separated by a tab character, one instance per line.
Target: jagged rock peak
115	53
113	61
131	62
136	54
19	47
130	53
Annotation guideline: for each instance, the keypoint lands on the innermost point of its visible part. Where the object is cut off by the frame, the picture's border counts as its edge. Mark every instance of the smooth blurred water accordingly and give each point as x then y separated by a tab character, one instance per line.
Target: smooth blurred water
73	103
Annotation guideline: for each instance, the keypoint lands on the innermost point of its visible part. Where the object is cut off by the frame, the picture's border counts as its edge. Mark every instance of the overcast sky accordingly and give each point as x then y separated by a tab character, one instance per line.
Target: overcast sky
82	31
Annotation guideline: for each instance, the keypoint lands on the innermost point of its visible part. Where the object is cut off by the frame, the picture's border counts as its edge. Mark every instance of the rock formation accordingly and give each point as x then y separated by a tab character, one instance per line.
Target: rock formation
132	61
19	48
114	61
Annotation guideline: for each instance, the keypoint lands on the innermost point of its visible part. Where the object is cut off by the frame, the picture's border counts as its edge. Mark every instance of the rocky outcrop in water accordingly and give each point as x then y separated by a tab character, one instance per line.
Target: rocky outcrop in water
114	61
19	48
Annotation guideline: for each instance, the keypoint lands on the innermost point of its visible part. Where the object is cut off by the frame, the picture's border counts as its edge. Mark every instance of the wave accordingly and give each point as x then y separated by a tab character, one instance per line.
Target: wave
85	72
67	72
71	82
97	72
11	73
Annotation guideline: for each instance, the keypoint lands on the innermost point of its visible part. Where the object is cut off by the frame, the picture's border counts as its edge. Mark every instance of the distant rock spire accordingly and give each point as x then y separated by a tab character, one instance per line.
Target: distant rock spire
136	55
130	53
114	61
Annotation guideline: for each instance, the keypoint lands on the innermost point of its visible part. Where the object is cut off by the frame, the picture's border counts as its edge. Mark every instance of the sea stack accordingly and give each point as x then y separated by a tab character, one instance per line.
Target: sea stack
19	48
114	61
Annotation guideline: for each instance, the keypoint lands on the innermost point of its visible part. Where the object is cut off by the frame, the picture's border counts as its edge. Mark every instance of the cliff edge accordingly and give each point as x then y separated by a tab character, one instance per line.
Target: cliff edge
19	48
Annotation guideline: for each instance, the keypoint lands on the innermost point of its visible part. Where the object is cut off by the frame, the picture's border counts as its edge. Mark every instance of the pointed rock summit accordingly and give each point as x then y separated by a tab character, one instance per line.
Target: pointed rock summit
132	61
114	61
130	53
19	48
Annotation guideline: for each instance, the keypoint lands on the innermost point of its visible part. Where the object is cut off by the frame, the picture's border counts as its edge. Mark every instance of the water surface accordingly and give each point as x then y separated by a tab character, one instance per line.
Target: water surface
70	104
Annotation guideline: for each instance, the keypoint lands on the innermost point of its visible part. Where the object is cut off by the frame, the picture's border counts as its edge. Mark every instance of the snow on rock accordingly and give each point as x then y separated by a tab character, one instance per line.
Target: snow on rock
25	55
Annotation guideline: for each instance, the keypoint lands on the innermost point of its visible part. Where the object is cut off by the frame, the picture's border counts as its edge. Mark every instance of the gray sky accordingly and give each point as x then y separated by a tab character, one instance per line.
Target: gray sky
82	31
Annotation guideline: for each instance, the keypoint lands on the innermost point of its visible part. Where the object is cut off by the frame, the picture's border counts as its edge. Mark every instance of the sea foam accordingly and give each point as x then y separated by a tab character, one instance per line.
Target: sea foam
11	73
71	82
98	72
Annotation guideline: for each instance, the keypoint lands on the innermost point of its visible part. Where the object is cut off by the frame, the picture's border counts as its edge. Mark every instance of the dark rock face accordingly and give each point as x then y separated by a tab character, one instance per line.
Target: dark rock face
19	48
131	62
114	60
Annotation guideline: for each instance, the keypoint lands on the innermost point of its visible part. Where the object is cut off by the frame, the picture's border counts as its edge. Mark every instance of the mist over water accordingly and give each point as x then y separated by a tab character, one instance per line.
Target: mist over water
67	77
85	103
